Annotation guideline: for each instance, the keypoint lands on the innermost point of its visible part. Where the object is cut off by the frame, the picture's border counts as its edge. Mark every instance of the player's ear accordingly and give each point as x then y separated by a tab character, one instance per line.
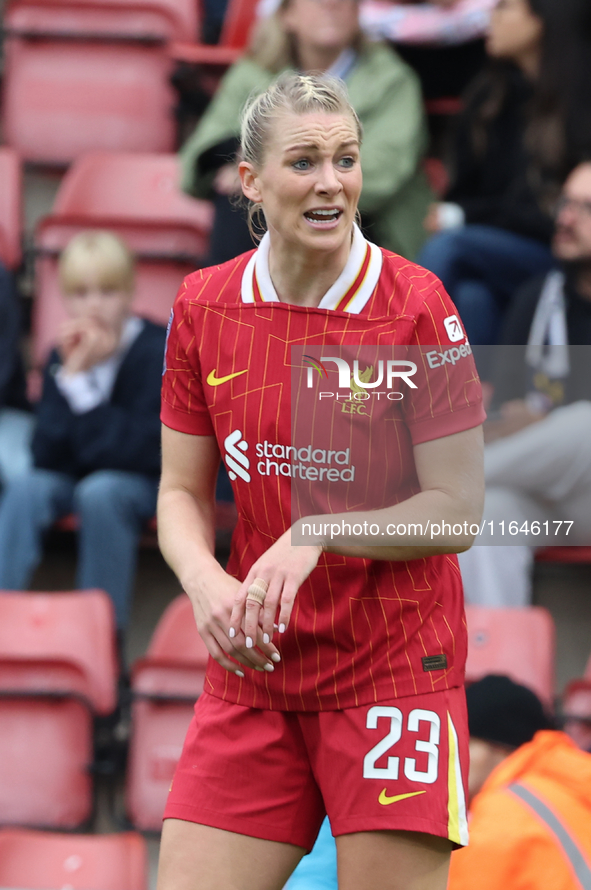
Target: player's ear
250	182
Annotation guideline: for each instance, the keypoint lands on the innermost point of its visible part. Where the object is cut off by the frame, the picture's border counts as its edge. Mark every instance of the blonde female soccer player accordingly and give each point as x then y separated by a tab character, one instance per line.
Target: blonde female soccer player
335	679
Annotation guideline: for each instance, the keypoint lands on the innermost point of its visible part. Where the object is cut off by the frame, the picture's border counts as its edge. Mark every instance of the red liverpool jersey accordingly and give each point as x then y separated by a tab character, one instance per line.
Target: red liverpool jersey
361	630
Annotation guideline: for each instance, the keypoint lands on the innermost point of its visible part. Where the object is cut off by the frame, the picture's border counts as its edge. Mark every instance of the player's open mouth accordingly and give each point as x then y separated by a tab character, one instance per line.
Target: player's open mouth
323	217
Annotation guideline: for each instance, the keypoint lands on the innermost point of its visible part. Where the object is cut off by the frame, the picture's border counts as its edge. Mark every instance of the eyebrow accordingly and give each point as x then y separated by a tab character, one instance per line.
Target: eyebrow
314	146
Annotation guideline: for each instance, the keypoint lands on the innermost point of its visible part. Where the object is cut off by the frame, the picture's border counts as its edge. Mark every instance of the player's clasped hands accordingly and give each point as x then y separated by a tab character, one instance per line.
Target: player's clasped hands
265	599
212	605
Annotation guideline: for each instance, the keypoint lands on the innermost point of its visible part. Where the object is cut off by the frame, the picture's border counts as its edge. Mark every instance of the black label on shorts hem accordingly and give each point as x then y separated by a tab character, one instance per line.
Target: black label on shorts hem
434	662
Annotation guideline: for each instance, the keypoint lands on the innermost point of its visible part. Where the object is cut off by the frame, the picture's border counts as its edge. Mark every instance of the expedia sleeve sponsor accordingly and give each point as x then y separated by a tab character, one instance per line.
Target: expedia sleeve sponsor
437	358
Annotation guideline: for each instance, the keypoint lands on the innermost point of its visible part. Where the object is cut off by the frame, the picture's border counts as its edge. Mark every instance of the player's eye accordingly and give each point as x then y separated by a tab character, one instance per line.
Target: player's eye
347	162
301	164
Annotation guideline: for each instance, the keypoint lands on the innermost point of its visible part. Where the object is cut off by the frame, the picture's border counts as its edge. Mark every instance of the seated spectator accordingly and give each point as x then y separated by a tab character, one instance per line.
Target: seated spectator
576	713
96	444
537	458
526	123
312	36
530	797
16	420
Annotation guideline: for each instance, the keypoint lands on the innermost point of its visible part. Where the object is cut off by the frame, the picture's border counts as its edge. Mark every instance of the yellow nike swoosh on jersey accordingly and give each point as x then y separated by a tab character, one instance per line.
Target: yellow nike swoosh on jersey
385	800
215	381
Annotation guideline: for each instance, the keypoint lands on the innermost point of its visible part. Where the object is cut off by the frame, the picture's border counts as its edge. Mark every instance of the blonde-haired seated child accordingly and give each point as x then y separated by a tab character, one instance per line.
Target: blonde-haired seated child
96	445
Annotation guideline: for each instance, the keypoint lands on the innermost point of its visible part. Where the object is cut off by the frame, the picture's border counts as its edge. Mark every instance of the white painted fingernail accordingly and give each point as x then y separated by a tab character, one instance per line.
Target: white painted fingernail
249	642
266	638
269	667
239	674
282	628
276	657
231	633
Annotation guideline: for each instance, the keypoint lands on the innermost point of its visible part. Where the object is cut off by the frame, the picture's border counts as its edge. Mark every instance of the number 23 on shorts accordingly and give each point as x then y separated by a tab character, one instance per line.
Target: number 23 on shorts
412	765
413	754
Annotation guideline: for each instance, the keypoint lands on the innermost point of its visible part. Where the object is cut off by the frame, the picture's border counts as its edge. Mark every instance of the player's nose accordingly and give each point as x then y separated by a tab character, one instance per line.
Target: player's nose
328	182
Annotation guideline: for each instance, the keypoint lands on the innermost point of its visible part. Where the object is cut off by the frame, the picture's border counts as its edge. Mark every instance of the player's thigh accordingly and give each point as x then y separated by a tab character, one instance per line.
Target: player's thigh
198	857
392	860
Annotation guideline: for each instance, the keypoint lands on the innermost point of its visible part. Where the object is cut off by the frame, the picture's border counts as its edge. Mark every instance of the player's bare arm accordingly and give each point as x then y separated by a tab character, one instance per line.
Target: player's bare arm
186	536
450	472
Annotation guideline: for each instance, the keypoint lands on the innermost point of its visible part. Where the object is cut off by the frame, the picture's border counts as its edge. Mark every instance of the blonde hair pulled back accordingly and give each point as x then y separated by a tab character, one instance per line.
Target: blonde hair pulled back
295	94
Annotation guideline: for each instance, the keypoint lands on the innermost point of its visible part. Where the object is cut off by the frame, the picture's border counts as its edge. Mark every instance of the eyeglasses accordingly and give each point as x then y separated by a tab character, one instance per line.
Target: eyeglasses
582	208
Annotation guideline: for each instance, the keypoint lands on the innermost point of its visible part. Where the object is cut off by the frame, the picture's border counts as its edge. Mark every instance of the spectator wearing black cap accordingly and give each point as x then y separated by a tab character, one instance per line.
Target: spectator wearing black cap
530	797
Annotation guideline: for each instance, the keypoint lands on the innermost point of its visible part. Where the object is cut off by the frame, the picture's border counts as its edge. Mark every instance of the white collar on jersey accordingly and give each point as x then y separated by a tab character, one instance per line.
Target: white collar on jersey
347	284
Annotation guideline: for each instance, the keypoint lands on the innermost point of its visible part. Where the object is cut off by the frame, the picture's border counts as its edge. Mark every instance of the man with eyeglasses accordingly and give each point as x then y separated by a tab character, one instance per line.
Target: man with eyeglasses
537	458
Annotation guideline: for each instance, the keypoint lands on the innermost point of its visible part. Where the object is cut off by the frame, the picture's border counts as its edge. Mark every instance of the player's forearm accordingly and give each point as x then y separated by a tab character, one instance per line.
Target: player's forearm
429	523
186	535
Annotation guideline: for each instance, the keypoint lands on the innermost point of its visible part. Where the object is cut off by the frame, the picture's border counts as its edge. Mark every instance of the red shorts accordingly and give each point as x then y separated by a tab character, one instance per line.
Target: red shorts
401	764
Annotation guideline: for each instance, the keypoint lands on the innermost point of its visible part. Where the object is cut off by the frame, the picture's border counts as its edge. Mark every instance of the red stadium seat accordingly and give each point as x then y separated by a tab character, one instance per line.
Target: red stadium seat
238	23
129	186
46	746
144	21
10	208
75	627
445	105
517	642
136	196
37	859
86	76
579	689
437	175
165	685
564	554
57	670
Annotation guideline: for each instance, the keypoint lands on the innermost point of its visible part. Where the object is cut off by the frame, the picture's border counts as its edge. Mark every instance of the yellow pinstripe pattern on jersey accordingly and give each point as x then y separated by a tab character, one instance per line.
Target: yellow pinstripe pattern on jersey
232	330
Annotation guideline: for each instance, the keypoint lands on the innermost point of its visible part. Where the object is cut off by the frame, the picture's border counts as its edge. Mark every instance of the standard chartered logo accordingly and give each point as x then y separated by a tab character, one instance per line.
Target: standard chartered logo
307	462
237	462
313	464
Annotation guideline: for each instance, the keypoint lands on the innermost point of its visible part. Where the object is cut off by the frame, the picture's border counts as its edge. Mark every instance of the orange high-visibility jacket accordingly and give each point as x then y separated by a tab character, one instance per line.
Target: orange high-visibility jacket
530	825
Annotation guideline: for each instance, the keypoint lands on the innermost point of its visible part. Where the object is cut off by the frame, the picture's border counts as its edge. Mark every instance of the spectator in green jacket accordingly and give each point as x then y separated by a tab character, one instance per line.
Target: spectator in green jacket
320	35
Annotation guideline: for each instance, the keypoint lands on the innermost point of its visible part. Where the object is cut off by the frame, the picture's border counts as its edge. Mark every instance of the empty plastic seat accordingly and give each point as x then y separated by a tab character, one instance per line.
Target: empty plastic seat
75	627
517	642
57	671
35	860
564	554
10	208
141	20
576	712
238	23
88	76
130	186
137	196
46	746
165	685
